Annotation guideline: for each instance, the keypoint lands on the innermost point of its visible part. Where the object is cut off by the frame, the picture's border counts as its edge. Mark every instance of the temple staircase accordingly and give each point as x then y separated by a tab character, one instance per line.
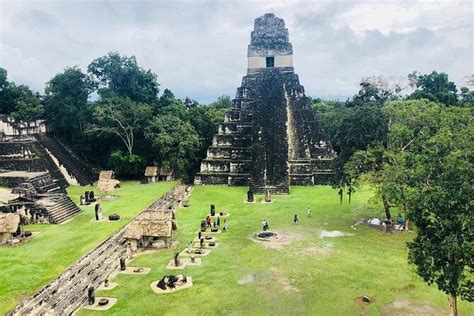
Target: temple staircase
62	209
45	184
75	167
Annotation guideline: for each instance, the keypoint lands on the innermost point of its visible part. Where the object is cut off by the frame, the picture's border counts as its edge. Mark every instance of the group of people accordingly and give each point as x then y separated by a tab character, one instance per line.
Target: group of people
214	223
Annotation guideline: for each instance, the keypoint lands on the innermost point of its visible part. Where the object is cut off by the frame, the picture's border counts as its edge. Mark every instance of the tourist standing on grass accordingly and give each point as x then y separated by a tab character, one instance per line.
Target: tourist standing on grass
190	247
295	219
309	212
225	225
218	221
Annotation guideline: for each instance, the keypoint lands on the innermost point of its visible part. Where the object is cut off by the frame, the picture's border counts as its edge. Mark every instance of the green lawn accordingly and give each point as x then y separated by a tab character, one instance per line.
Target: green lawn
311	276
24	269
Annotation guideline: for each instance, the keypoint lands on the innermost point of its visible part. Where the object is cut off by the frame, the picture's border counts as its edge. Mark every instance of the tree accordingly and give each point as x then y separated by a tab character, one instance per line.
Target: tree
18	101
351	129
368	164
175	142
441	205
408	124
426	167
375	91
125	164
123	77
66	103
434	87
120	117
467	95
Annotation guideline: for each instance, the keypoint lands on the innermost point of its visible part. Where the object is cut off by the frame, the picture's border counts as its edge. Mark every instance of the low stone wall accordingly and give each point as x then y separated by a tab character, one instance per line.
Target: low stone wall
11	182
33	165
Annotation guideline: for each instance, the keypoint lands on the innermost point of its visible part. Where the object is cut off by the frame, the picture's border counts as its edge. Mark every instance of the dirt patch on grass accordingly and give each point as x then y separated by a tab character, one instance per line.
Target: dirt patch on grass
405	307
333	233
280	278
269	280
315	251
247	279
284	239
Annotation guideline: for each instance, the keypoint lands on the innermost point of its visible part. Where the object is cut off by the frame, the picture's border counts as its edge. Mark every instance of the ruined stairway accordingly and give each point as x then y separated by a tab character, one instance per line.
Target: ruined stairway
45	184
81	172
63	209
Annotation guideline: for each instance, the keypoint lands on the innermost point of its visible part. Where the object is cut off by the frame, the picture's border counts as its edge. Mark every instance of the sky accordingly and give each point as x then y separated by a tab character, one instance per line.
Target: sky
198	48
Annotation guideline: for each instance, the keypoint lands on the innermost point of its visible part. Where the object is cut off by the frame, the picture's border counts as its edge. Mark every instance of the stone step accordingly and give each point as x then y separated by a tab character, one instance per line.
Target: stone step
73	165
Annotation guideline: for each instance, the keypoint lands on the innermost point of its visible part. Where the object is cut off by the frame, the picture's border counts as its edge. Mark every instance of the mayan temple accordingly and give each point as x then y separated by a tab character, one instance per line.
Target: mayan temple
271	138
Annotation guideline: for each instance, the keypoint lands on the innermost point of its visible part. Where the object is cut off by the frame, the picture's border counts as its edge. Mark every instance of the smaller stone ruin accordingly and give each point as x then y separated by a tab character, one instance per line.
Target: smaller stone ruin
151	173
107	181
10	228
153	229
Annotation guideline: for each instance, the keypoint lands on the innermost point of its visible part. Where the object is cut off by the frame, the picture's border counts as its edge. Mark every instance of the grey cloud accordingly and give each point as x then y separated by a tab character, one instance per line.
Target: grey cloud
198	48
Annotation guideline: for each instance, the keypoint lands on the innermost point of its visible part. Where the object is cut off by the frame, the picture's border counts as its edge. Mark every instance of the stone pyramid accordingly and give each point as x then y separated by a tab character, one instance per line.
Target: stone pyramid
271	137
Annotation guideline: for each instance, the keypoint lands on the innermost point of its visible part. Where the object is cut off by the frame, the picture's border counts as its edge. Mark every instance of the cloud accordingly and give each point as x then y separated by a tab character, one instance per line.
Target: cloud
198	48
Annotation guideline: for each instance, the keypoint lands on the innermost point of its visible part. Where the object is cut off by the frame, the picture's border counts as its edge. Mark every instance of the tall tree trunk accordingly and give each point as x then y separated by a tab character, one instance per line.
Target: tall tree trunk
405	208
405	213
453	305
350	192
386	206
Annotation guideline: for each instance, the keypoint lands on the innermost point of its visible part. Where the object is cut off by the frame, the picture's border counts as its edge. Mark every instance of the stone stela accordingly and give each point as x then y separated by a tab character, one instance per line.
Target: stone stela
271	137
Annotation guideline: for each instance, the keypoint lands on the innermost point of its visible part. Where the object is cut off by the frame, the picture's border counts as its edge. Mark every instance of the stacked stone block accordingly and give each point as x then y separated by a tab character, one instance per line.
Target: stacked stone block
271	137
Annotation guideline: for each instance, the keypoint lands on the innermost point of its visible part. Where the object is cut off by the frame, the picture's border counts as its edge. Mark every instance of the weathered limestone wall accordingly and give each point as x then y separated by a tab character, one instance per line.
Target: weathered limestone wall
20	154
281	61
9	127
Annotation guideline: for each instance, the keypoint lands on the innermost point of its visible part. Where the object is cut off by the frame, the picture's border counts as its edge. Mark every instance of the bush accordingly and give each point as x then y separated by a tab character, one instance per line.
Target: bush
126	165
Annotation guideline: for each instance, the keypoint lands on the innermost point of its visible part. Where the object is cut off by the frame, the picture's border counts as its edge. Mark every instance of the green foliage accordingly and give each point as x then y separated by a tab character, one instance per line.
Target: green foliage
466	97
374	91
120	117
434	87
122	76
66	105
351	128
126	165
206	119
426	167
3	79
18	101
441	203
175	142
27	105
